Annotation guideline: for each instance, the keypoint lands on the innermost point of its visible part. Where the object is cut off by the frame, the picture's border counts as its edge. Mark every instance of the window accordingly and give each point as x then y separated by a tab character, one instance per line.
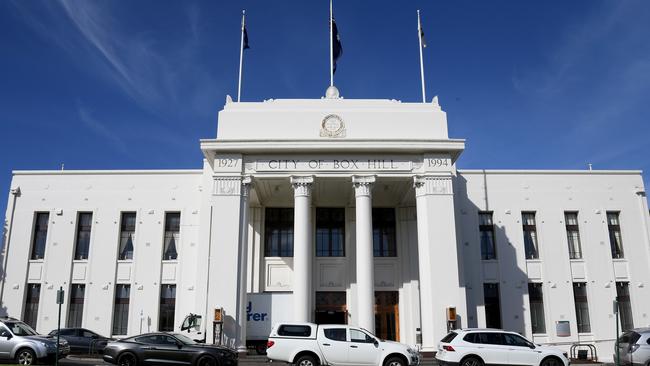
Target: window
167	307
159	339
491	338
573	234
515	340
330	232
127	235
383	232
536	299
76	309
84	224
294	330
615	240
582	307
121	309
450	337
335	334
530	235
172	232
488	243
358	336
31	304
492	305
278	232
624	305
40	235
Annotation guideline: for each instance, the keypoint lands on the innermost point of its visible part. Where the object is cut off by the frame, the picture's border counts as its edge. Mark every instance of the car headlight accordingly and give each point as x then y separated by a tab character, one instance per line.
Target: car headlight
411	351
47	345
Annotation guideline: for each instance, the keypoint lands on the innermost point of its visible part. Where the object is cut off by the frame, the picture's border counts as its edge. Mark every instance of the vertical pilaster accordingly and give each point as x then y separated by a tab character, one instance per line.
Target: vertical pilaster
243	265
365	271
302	248
438	259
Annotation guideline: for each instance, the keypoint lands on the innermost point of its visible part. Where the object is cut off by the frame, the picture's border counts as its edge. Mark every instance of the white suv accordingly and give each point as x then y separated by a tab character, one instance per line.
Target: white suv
479	347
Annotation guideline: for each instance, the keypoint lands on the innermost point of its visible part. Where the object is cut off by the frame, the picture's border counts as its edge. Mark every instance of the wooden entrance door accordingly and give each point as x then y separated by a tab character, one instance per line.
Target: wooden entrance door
331	308
387	315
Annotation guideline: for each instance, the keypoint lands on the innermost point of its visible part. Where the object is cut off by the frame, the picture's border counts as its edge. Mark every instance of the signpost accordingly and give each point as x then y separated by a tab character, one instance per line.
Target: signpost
618	356
60	294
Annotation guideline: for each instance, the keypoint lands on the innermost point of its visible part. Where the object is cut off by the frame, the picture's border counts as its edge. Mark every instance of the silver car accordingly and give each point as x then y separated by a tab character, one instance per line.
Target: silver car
634	347
21	343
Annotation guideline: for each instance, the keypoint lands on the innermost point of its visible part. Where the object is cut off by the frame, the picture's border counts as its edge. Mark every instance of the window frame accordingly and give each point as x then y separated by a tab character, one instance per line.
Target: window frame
124	301
628	309
284	229
530	228
167	308
33	256
174	235
483	228
498	302
617	253
133	236
78	231
381	249
33	311
75	301
541	329
571	228
329	225
580	318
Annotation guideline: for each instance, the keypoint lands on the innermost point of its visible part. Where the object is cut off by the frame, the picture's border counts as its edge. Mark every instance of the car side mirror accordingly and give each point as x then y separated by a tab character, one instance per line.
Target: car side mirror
179	345
531	346
6	335
376	343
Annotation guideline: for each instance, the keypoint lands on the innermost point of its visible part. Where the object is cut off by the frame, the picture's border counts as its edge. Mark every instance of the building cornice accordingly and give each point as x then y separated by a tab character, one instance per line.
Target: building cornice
109	172
550	172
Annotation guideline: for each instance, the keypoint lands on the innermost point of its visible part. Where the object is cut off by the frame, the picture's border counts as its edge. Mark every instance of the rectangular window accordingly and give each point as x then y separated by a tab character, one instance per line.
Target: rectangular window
84	224
492	305
330	232
582	307
167	308
127	235
573	234
384	242
121	309
530	235
172	233
31	304
76	309
624	305
278	232
536	299
40	235
615	240
488	243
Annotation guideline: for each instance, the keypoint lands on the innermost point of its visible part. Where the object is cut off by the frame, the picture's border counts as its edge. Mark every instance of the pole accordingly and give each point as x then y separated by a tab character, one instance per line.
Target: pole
424	95
618	355
241	52
331	47
59	300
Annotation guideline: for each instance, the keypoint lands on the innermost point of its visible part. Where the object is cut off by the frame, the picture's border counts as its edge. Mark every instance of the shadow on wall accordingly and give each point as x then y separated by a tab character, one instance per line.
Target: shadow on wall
496	289
5	230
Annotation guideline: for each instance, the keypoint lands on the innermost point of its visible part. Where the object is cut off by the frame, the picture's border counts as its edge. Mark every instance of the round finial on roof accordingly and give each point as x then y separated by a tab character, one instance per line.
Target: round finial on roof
332	93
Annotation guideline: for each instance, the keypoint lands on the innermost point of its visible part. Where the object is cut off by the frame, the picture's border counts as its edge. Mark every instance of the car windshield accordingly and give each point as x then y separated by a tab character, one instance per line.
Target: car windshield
184	339
20	329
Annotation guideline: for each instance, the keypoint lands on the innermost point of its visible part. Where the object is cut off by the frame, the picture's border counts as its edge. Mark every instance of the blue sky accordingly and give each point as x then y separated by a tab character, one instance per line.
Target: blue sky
132	85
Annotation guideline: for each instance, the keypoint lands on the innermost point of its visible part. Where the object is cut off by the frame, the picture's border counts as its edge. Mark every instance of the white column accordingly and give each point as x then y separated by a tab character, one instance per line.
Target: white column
365	271
302	248
437	256
243	265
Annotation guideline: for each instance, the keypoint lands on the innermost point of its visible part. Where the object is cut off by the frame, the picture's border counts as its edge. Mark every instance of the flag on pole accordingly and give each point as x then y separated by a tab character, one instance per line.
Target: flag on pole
424	43
246	38
337	49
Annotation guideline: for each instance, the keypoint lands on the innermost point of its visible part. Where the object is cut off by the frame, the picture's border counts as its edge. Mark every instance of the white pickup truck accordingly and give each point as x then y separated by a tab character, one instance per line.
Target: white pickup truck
307	344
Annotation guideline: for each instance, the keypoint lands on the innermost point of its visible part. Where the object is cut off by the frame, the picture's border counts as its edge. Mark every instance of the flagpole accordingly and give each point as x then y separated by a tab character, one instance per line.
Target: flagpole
331	47
241	52
424	95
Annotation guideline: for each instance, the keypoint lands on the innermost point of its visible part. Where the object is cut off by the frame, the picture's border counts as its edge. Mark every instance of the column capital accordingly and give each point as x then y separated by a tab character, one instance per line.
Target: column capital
432	185
363	184
302	185
246	184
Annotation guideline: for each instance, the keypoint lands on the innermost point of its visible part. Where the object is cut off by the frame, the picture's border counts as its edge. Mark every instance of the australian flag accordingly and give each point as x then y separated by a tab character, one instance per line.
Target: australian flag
246	38
337	49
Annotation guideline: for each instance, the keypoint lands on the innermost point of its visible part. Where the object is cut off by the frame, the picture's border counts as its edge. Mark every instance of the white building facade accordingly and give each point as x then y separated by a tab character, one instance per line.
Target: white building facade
331	210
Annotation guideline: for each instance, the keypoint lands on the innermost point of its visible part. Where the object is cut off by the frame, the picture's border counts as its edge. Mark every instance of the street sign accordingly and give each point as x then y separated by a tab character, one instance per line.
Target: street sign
60	294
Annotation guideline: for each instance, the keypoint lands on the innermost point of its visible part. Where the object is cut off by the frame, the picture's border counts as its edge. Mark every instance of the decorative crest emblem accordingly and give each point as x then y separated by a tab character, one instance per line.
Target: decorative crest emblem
332	126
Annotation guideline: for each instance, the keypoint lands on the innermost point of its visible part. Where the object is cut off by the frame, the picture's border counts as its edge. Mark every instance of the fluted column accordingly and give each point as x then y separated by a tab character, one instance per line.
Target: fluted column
243	265
365	270
302	248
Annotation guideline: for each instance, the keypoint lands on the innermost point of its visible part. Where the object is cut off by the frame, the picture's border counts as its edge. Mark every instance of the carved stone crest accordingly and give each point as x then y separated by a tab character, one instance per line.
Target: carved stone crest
332	126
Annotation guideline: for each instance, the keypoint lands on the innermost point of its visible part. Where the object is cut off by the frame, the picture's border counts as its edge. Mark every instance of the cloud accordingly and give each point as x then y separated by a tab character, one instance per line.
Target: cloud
101	129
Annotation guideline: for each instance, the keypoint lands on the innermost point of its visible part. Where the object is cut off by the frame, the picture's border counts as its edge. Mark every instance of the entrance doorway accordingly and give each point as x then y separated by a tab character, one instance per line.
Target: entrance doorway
331	308
387	315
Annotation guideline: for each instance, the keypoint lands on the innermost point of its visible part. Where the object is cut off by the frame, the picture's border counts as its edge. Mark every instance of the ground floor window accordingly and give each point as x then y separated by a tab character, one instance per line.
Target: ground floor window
121	309
492	305
624	305
31	304
76	309
582	307
331	307
167	308
387	315
536	299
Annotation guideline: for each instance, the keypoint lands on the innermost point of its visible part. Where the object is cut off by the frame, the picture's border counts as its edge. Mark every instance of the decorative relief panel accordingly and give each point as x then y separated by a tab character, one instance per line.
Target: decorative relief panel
427	185
534	270
169	272
578	270
620	269
35	271
79	271
124	271
227	186
385	274
490	271
332	275
277	276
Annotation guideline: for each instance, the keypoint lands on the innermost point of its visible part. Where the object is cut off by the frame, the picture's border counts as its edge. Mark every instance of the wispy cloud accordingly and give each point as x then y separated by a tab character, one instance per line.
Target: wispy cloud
101	129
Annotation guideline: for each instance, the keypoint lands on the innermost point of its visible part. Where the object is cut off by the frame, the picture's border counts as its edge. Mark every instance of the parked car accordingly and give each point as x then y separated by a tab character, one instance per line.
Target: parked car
167	348
83	341
21	343
634	347
307	344
479	347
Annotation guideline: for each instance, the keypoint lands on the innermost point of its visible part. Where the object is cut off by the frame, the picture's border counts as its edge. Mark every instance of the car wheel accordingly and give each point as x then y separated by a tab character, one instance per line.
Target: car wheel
26	356
207	361
394	361
471	361
260	349
551	361
306	360
127	359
